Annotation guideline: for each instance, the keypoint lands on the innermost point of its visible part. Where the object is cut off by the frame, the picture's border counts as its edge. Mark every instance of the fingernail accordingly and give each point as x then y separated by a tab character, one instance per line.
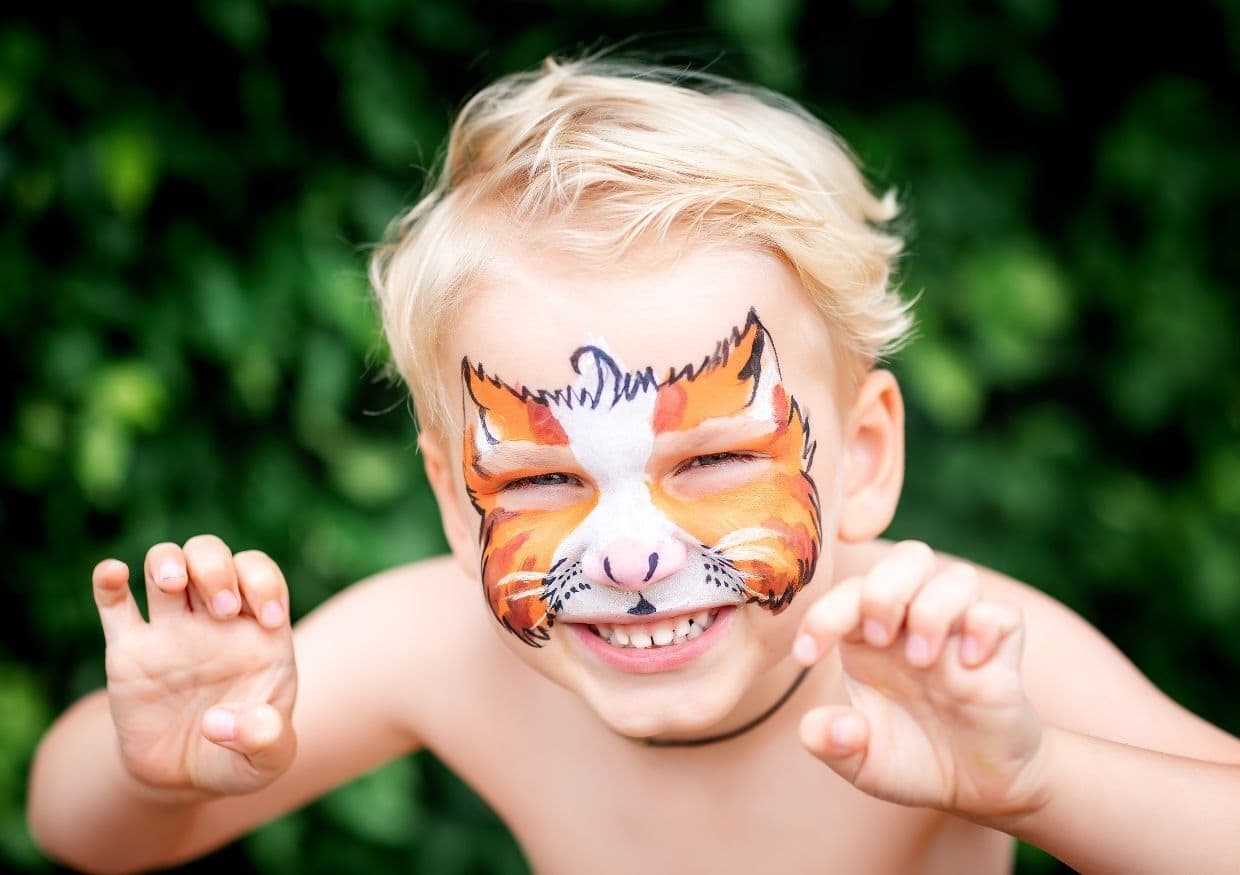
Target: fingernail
846	731
874	631
169	569
917	650
805	649
224	603
273	613
220	724
970	649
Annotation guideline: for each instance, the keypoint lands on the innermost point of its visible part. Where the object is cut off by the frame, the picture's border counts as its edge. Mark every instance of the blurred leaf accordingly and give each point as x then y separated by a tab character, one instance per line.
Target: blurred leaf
242	22
375	82
942	382
104	452
1221	479
256	378
370	473
775	18
380	807
277	846
220	304
129	394
21	51
128	160
41	424
1016	302
24	715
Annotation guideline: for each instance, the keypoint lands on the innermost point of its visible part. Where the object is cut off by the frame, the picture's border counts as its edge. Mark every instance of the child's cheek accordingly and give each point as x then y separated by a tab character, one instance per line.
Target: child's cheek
518	550
768	528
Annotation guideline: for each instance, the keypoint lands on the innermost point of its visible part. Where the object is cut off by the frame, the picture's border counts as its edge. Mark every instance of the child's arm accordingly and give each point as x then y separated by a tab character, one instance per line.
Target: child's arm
1075	752
86	804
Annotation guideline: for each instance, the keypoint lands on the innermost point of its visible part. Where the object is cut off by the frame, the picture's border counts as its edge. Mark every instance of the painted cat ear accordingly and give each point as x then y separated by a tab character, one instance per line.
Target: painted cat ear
747	382
753	360
503	414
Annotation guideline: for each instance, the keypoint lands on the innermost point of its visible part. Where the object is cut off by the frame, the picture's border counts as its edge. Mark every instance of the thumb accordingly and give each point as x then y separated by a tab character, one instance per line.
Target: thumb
258	732
839	736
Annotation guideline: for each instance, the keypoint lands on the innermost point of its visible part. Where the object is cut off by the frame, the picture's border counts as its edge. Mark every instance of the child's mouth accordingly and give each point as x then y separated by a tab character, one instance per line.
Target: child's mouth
655	646
665	633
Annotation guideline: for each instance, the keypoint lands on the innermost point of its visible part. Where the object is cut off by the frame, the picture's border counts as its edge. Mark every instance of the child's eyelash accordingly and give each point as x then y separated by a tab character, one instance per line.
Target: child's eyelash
555	478
714	460
559	478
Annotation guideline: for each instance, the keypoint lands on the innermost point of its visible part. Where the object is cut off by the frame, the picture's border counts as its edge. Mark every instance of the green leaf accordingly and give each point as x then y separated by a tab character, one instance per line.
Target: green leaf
129	164
103	455
380	807
130	394
943	383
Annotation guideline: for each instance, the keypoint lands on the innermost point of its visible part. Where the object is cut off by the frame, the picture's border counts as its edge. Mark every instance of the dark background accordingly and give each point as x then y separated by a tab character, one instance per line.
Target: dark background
188	193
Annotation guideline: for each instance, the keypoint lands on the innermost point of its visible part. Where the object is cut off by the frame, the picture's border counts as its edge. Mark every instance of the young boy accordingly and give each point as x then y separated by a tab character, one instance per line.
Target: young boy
639	315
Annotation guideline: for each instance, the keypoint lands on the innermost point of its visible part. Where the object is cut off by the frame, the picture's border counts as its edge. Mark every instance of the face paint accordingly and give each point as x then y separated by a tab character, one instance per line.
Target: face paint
623	493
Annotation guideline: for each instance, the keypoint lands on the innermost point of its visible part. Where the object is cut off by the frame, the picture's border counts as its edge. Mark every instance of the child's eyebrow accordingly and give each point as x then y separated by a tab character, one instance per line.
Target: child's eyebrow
718	433
520	455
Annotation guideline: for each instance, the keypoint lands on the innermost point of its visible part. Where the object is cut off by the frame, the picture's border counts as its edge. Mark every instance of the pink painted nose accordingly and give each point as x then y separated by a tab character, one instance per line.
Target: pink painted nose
634	564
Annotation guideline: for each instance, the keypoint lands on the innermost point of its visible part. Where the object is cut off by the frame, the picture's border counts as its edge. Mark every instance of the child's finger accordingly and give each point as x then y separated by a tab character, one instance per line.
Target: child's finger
258	732
263	587
211	572
889	587
839	736
938	610
164	568
986	626
118	612
828	620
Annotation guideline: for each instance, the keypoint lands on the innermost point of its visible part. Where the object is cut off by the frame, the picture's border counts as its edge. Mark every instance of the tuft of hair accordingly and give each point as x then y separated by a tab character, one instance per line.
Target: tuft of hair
610	153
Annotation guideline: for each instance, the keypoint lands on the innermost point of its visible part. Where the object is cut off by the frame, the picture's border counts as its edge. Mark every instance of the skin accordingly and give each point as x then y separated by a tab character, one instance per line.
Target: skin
907	749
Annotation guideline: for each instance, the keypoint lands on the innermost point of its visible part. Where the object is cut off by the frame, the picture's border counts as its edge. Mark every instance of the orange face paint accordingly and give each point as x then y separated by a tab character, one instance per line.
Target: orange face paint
625	494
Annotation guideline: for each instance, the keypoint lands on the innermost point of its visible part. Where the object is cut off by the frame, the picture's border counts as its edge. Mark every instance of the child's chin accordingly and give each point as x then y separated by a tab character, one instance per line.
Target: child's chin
666	705
688	715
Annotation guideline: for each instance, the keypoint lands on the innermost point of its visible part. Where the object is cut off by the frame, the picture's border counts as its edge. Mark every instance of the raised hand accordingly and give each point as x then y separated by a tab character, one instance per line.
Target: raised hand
938	715
202	695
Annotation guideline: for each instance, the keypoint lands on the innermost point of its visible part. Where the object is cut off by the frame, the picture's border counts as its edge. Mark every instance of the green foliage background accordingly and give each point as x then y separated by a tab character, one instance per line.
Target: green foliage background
188	192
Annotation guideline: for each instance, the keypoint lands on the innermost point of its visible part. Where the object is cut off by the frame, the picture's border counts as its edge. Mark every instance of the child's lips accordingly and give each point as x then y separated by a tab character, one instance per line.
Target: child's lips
651	659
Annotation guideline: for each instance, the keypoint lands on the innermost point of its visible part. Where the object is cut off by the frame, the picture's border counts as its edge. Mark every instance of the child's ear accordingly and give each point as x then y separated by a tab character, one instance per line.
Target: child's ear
439	472
873	458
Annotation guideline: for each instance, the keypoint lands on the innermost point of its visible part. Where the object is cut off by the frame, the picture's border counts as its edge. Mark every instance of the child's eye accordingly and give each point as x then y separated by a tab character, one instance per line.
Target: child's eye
555	479
714	460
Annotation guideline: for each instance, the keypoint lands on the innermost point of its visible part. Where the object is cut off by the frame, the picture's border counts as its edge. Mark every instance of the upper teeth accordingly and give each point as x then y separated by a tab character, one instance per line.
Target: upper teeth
660	634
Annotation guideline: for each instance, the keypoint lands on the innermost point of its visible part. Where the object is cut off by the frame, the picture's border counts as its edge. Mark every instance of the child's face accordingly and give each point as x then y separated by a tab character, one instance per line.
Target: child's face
641	455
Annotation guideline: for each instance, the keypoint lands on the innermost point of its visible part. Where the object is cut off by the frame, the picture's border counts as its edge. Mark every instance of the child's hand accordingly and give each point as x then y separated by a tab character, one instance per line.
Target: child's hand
938	713
202	697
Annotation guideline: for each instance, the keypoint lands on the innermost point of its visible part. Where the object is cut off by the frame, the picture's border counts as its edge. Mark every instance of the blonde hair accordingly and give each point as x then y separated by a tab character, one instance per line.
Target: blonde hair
612	153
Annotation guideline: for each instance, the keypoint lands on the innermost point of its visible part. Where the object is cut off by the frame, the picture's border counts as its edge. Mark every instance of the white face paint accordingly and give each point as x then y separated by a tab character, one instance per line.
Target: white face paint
626	495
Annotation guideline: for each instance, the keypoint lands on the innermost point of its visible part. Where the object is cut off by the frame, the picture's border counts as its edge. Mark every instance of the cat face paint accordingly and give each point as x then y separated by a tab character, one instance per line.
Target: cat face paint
628	494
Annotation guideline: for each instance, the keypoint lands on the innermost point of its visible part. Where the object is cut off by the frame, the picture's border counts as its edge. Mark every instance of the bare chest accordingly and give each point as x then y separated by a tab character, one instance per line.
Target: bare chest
611	807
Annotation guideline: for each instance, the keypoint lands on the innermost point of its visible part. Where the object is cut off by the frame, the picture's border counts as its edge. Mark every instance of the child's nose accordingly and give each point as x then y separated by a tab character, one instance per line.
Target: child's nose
634	564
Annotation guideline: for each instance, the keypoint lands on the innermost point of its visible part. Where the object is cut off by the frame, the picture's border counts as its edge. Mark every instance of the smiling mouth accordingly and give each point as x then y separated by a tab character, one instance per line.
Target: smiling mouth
665	633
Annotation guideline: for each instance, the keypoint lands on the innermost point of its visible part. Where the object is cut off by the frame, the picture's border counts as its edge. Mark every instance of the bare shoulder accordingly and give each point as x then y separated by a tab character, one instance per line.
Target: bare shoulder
424	629
1079	680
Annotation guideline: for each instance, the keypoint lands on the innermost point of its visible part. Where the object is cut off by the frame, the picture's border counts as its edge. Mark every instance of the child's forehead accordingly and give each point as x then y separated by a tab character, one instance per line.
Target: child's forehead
526	317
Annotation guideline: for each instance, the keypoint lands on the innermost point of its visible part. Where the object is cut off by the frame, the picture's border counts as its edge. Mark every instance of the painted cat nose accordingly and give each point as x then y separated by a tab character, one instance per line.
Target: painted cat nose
633	564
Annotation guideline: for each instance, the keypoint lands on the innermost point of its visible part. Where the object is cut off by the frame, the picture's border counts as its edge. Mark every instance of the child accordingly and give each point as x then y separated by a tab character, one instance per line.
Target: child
640	315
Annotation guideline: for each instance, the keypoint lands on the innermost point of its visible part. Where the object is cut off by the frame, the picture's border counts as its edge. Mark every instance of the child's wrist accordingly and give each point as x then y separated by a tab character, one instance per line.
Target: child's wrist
169	798
1032	791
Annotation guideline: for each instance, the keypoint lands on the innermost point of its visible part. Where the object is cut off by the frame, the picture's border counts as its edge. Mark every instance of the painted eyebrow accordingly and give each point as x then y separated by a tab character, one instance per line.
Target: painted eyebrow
520	455
723	432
